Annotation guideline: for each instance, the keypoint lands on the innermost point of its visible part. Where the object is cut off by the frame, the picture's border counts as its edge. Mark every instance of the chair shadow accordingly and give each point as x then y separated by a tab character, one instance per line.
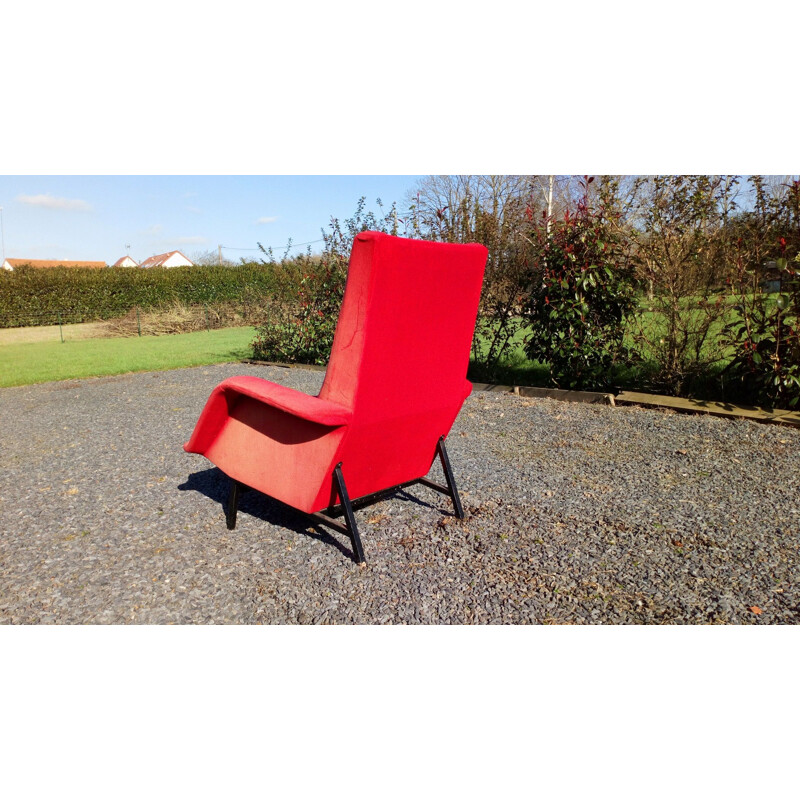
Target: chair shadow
215	484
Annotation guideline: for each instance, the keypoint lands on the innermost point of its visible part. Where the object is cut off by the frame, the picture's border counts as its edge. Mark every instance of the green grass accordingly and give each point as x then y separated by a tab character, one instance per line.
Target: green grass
22	364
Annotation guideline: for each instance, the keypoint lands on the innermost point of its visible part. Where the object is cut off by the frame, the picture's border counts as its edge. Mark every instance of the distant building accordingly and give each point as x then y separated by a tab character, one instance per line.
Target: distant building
125	261
12	263
771	277
173	259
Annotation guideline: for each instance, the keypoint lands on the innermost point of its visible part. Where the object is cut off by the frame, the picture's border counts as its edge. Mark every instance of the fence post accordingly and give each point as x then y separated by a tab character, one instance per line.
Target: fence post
60	329
205	306
138	321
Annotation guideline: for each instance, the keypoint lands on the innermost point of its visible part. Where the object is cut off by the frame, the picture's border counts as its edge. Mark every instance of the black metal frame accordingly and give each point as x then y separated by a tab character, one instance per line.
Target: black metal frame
347	506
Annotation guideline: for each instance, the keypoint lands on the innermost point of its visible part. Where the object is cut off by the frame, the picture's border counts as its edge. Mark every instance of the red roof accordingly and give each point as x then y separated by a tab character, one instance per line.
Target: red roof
118	262
157	261
39	263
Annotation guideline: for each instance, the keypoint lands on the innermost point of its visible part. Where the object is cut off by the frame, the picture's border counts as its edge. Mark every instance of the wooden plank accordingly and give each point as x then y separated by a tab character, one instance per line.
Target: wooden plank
491	387
566	394
550	394
717	409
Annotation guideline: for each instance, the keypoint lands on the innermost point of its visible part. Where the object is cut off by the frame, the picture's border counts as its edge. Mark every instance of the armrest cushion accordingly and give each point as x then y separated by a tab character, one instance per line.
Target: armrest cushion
299	404
220	403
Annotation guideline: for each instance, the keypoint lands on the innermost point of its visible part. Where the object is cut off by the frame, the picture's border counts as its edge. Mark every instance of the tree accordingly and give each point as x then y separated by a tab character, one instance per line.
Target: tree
490	210
207	258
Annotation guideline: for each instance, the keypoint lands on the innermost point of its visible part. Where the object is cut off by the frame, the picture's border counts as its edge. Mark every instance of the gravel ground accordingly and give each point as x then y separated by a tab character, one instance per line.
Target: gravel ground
575	514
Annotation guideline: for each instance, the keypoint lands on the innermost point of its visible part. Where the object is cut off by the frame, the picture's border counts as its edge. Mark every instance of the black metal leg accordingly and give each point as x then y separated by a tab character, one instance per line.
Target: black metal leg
348	514
233	504
345	508
450	478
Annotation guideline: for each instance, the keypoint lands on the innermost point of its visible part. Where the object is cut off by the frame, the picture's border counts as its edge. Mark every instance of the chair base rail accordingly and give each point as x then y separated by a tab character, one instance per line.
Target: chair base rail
346	506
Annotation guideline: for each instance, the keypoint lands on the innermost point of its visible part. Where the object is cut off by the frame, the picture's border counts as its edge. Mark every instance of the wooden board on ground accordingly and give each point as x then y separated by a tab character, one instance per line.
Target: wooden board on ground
754	413
570	395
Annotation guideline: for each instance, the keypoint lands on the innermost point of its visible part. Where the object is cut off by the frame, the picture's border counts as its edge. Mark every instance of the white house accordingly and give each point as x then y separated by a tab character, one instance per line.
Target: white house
173	259
125	261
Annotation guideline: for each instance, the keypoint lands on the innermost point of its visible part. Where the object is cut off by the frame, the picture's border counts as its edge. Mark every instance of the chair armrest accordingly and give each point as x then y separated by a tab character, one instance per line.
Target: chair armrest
298	404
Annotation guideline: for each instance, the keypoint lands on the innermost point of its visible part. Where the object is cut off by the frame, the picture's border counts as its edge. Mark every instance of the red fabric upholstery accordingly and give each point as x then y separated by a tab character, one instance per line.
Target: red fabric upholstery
395	382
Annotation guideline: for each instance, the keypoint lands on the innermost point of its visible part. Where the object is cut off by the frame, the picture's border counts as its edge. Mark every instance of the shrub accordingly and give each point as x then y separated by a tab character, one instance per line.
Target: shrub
678	249
765	337
582	291
302	330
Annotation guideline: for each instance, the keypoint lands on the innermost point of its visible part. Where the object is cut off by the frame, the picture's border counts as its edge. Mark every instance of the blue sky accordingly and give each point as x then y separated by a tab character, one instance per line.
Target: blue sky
95	217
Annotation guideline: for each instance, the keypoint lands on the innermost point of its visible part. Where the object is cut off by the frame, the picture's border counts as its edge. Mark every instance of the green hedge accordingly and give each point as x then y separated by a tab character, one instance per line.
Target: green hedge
30	296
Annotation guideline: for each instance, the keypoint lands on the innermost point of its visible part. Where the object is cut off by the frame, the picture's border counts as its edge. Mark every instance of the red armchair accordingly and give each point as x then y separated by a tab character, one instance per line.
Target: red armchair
395	382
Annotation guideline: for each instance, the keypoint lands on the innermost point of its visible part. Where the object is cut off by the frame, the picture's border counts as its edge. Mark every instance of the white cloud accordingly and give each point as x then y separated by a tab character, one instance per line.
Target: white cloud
154	229
265	220
194	209
59	203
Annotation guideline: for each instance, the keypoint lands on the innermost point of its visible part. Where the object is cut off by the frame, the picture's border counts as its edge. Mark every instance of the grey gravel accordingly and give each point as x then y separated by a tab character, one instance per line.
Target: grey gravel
575	514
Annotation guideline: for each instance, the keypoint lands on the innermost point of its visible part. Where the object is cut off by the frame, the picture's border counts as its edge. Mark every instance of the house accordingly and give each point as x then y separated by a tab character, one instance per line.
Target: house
173	259
125	261
13	263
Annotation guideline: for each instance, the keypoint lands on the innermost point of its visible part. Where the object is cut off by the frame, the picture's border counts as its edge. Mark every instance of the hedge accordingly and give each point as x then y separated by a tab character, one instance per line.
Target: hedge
31	296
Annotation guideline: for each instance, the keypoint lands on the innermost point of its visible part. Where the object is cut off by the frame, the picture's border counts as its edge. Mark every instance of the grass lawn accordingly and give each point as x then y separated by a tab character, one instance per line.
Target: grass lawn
22	364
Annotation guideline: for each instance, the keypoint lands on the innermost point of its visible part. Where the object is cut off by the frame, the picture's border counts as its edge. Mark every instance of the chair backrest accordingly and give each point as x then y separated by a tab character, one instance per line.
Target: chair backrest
406	324
401	352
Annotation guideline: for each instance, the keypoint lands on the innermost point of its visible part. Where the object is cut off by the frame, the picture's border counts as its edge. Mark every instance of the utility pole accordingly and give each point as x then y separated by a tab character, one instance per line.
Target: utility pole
219	258
549	196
